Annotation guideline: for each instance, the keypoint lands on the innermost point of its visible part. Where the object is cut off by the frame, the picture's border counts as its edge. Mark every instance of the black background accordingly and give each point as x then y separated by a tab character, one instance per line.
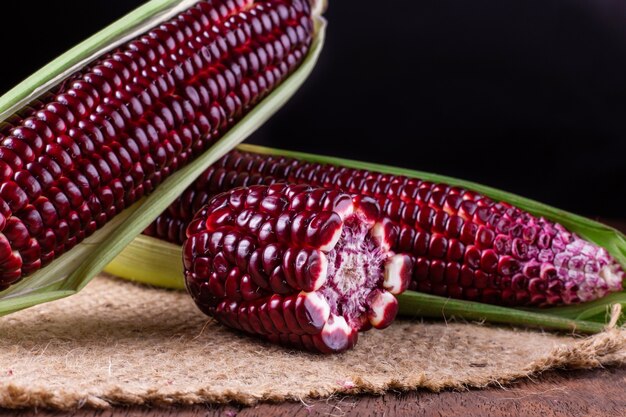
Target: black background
527	95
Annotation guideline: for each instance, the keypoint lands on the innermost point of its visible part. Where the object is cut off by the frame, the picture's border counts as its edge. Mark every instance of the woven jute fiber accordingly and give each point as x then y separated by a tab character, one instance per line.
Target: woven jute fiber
122	343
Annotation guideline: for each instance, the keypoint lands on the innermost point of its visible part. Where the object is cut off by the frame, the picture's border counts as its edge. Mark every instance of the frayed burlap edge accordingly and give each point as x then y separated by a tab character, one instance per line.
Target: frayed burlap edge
593	352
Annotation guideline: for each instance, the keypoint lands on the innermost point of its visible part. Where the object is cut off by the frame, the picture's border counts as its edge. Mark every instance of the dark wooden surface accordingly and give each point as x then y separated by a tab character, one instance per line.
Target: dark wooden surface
596	393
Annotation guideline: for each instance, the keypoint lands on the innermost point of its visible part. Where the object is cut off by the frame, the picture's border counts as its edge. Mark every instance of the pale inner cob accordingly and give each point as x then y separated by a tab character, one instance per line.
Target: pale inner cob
354	268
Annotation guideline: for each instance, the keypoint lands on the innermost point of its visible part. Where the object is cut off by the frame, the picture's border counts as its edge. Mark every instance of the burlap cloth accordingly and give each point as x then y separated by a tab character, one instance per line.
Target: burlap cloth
121	343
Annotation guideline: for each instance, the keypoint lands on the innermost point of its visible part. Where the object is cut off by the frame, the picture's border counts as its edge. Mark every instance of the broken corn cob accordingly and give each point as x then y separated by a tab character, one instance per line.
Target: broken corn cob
300	266
113	131
463	245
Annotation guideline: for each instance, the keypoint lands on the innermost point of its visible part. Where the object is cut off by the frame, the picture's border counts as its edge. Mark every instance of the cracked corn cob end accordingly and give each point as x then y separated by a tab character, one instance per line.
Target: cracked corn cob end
463	245
300	266
112	132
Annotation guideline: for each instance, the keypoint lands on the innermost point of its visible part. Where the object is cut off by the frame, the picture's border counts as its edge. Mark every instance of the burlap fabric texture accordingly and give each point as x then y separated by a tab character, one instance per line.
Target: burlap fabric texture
122	343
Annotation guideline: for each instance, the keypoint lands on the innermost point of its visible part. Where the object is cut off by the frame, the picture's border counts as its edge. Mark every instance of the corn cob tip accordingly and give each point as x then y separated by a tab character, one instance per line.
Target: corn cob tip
583	270
297	265
543	263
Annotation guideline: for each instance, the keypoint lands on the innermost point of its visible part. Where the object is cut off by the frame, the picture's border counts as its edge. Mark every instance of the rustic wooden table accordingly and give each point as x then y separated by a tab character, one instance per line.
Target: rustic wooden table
600	392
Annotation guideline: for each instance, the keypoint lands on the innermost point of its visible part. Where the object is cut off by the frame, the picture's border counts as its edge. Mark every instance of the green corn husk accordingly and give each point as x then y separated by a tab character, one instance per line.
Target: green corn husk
159	263
73	270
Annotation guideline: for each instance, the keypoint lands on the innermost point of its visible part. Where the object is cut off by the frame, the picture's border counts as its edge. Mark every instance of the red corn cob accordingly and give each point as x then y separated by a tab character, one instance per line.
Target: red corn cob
297	265
463	245
112	132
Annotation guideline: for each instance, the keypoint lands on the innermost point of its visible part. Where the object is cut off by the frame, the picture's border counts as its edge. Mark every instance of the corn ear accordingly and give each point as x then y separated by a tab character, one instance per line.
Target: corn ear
73	270
584	318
